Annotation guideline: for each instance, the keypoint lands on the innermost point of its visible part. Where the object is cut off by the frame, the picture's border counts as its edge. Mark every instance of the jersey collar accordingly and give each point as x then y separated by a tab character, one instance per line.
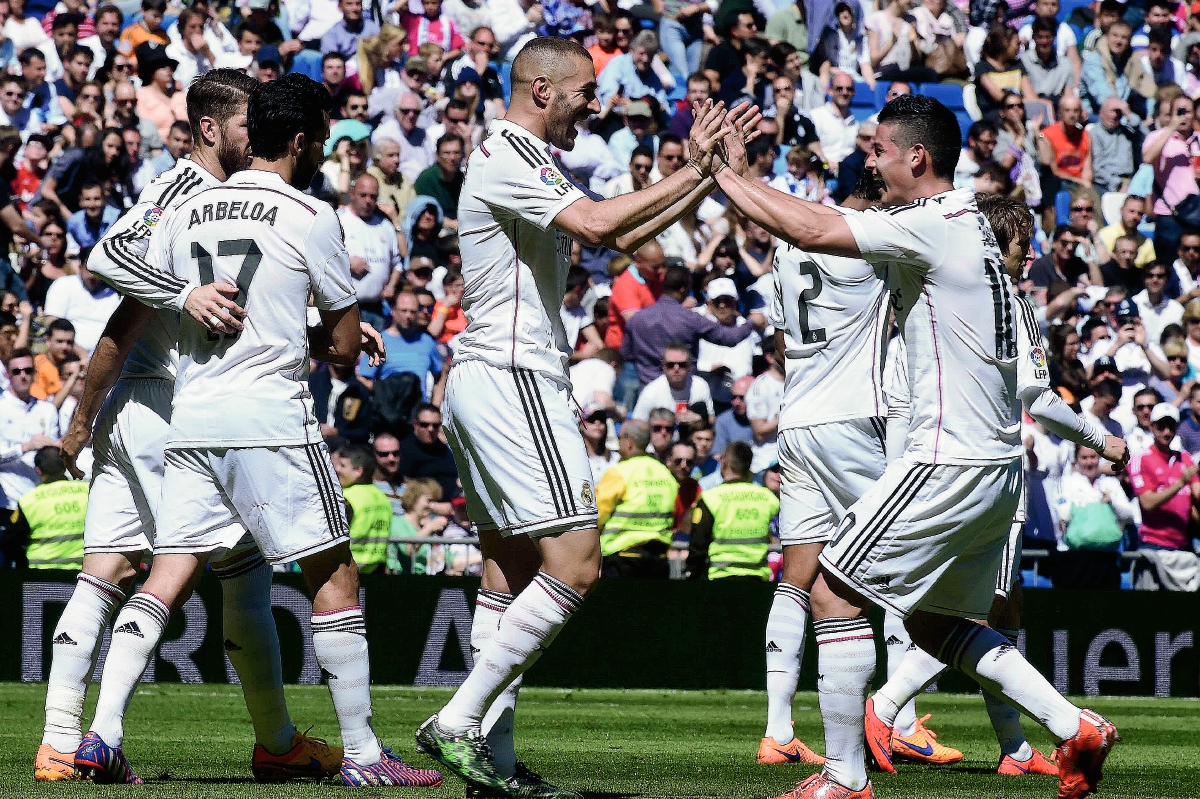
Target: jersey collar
500	124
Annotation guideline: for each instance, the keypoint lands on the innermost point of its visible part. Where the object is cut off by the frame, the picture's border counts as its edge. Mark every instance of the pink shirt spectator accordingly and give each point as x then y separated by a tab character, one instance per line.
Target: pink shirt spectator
1173	176
422	29
1165	526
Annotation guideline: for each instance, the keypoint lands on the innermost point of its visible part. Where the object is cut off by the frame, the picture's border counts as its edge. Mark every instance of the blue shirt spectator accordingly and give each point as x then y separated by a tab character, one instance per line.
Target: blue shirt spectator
409	348
733	425
344	35
623	75
86	230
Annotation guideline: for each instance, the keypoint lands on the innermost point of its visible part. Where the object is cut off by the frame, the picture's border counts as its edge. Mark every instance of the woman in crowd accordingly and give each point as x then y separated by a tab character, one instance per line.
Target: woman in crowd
1176	387
158	100
1068	375
892	39
417	521
846	48
22	311
1093	505
422	223
1191	326
999	71
448	317
48	263
594	427
378	60
345	158
103	163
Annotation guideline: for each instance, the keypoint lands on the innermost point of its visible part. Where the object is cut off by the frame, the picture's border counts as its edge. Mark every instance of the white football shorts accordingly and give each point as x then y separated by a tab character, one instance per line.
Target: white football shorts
928	537
128	442
1010	567
521	459
825	469
288	498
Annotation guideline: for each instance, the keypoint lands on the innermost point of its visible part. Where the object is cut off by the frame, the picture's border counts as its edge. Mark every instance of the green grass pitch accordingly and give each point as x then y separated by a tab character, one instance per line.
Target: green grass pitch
195	741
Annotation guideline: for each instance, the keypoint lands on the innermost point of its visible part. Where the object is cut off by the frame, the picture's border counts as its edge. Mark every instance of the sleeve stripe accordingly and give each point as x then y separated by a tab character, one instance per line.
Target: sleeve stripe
141	268
525	149
173	189
1031	325
194	182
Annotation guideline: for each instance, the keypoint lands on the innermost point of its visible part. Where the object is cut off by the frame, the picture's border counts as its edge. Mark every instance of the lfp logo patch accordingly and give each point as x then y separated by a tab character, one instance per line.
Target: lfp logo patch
1038	357
551	177
152	216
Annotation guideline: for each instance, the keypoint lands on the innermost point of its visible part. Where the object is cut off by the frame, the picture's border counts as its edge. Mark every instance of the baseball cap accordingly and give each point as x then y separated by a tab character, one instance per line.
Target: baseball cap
591	409
258	5
721	287
639	108
1105	364
1164	410
351	129
268	54
1126	307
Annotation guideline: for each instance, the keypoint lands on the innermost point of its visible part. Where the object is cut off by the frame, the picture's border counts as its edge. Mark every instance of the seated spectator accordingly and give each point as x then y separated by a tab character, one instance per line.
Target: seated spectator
103	42
27	424
789	24
192	52
1187	271
425	453
84	300
1093	504
417	150
93	219
1061	263
636	133
448	318
13	111
1165	483
373	248
1106	395
388	478
725	58
698	90
999	71
409	348
177	145
835	124
582	337
846	47
1160	19
593	380
852	166
890	39
1068	375
341	403
333	78
680	462
1175	387
733	424
122	114
1113	148
421	227
345	34
751	82
662	432
1066	45
1065	150
368	510
678	389
721	306
395	192
158	100
1157	60
939	43
60	344
764	401
377	70
1122	270
981	145
631	74
702	441
431	26
1111	70
1132	212
443	181
141	171
1050	74
1155	308
417	521
796	129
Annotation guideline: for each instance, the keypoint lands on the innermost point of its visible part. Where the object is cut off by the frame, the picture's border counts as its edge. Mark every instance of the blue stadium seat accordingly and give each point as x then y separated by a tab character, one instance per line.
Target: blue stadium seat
1062	206
506	80
679	92
1030	581
949	94
1065	7
881	94
964	122
863	104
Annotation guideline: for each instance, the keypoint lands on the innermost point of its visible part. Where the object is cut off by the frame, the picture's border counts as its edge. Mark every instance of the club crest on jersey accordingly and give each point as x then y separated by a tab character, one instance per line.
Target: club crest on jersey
551	177
152	216
587	496
1038	357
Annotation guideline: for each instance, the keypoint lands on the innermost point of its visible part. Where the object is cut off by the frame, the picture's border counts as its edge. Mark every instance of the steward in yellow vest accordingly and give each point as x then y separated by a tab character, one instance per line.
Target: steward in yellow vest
636	501
730	523
368	509
51	516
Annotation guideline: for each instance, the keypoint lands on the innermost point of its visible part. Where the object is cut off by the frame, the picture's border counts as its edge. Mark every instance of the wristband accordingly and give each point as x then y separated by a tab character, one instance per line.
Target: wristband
692	163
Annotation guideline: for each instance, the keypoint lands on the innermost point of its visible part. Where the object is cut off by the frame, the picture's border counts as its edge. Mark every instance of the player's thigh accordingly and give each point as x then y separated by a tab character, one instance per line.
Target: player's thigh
520	456
805	514
509	562
289	498
197	516
800	564
845	459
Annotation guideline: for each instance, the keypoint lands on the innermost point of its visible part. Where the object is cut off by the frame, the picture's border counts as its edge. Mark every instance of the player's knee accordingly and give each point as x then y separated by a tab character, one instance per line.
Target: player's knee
831	599
116	568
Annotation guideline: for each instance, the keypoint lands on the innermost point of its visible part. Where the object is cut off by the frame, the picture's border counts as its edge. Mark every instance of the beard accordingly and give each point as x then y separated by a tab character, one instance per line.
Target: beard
560	124
232	157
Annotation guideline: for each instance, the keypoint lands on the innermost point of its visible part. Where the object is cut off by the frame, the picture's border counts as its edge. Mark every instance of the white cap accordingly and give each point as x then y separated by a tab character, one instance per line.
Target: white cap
721	287
1162	410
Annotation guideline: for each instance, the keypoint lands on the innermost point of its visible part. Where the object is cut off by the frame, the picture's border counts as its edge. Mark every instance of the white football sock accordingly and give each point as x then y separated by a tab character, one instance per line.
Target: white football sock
845	666
527	628
785	649
910	671
252	645
1006	719
997	665
340	644
75	646
497	725
135	637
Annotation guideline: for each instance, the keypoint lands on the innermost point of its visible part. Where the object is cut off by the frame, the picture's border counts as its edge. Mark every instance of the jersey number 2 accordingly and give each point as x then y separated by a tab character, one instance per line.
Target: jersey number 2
244	247
807	335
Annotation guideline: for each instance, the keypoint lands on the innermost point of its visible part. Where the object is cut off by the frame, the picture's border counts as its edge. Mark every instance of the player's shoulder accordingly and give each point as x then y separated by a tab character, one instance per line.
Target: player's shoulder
512	146
948	205
176	184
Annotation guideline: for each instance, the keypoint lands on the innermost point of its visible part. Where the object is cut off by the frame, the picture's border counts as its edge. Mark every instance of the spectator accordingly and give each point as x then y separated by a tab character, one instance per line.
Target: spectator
1113	147
662	433
417	521
638	287
341	403
1140	435
1065	150
1093	505
192	52
177	145
750	83
57	51
636	502
122	114
1156	309
250	39
141	171
1051	75
103	43
368	510
475	63
147	29
650	331
1061	263
1164	481
680	462
764	401
1157	60
851	168
631	75
1187	271
373	248
999	71
678	389
733	424
1105	397
582	338
681	27
13	111
158	100
1168	151
409	349
268	64
448	317
635	134
846	48
87	26
47	526
84	300
1132	212
432	26
789	24
395	192
27	424
333	78
594	379
378	69
593	425
22	30
60	344
77	66
1189	427
721	307
1111	70
443	181
981	145
1160	18
1068	375
890	38
93	219
1175	387
702	441
105	163
1122	271
940	41
388	477
416	148
425	454
40	95
345	34
420	228
796	129
836	126
725	58
730	523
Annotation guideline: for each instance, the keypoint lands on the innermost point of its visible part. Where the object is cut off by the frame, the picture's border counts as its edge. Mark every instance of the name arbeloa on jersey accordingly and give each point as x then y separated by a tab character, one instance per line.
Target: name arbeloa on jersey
215	212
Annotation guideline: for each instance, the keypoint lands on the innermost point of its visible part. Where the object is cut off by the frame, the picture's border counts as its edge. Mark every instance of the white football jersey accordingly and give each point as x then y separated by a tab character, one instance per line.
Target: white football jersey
959	318
514	264
120	259
277	245
833	316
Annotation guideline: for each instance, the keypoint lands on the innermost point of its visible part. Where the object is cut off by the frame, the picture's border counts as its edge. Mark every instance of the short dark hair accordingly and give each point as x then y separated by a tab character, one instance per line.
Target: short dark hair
981	127
361	457
89	184
738	456
63	324
577	277
1160	37
755	46
676	278
28	55
49	460
109	8
66	18
183	126
922	120
1109	387
19	352
1165	4
1147	390
1044	25
1091	324
778	54
155	5
425	407
283	108
350	95
449	138
643	150
332	55
219	94
1061	231
81	51
457	105
668	138
1112	7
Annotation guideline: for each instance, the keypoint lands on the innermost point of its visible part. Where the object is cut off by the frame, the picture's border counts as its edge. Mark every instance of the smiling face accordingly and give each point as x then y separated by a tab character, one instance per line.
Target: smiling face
894	166
571	102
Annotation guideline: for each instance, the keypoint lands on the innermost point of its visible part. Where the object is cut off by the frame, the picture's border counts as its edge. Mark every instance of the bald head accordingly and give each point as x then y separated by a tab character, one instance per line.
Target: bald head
742	385
635	437
548	57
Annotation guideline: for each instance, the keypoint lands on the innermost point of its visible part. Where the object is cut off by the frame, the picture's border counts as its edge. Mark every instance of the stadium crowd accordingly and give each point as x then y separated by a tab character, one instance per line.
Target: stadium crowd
1086	113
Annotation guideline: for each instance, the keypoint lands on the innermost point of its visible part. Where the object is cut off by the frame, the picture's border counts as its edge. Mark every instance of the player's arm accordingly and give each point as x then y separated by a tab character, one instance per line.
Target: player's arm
632	241
122	330
701	538
338	340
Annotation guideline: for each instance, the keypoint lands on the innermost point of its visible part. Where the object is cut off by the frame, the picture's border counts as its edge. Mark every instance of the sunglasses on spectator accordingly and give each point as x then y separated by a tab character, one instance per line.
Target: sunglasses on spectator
1149	407
407	111
124	102
425	308
624	31
596	417
725	301
676	364
20	95
658	428
122	67
1191	321
1083	209
1189	247
1177	358
392	453
681	461
428	425
1156	276
27	370
847	89
738	396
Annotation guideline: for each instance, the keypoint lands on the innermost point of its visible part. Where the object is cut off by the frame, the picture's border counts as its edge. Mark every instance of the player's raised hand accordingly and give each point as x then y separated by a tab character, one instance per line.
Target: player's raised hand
706	134
1115	451
73	443
211	306
372	344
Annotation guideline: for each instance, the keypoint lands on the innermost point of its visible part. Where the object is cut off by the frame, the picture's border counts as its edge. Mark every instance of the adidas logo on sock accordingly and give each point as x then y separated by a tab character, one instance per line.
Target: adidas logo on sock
63	638
130	627
892	641
327	675
773	647
230	646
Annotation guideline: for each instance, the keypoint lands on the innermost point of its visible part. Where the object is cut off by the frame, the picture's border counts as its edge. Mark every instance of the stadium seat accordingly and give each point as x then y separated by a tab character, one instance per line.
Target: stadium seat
881	89
971	103
1110	206
949	94
506	80
679	92
1065	7
964	122
1062	206
863	104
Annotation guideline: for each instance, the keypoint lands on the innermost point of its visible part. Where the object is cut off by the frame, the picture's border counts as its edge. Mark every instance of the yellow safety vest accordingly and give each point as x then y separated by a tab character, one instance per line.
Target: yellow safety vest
647	511
56	513
370	527
742	513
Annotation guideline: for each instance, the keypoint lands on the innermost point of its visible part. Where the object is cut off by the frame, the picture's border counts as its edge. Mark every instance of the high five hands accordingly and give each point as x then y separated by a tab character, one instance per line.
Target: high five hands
719	137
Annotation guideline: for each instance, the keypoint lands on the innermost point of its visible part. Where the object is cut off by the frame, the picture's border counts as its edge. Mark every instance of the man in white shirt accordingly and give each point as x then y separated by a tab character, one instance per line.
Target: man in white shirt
373	247
721	305
26	425
677	389
85	301
417	148
764	401
1156	308
836	126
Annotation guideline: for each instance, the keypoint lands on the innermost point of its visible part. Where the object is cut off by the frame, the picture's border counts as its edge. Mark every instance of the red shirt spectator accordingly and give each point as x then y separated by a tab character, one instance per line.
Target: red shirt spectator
1161	479
1070	144
636	288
